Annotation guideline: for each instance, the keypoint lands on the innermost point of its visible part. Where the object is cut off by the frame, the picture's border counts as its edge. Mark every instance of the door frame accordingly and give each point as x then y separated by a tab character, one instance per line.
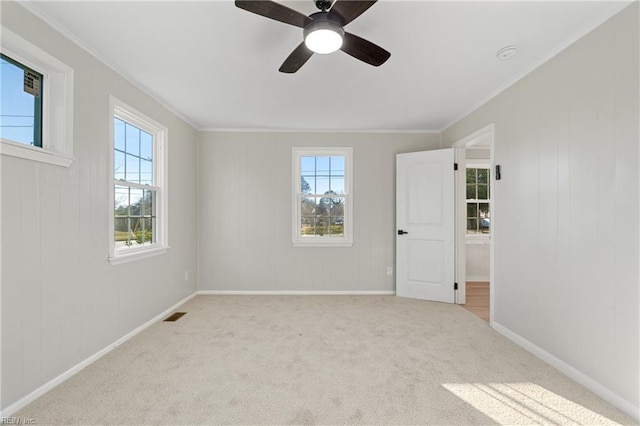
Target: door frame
487	134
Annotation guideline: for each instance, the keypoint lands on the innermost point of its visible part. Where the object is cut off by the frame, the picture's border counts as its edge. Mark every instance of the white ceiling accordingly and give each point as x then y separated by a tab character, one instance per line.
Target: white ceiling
217	65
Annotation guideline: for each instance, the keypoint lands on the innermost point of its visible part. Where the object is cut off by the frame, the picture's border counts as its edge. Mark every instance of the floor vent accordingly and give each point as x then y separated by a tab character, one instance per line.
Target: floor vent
175	316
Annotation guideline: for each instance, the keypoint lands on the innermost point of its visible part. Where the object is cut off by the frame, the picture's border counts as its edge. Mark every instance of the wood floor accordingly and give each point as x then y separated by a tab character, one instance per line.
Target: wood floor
478	299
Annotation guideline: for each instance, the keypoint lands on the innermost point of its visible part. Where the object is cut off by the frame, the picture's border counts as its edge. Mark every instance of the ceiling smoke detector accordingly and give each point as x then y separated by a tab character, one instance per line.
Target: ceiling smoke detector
507	52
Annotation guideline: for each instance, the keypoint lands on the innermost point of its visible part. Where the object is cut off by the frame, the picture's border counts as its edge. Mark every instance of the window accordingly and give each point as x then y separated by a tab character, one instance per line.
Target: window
21	103
322	199
478	199
36	103
139	190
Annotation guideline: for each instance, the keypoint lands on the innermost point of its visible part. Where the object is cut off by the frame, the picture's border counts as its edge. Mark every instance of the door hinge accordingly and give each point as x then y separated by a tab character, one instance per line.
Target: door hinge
455	166
455	286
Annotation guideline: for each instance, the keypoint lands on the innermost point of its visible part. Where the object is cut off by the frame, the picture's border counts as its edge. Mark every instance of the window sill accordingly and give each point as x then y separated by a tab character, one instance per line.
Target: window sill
31	153
478	239
132	256
323	244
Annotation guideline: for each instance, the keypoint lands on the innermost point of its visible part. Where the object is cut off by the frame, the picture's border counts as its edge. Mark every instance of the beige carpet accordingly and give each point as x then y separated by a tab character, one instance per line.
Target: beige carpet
320	359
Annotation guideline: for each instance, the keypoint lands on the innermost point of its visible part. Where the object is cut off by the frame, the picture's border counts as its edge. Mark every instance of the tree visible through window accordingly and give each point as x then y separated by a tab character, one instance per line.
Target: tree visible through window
478	199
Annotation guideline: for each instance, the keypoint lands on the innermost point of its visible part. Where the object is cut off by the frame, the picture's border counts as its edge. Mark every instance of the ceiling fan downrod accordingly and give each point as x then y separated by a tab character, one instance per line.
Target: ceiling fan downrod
323	5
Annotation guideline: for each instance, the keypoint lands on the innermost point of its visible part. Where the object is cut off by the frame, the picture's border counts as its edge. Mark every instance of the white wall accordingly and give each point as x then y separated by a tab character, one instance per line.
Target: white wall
477	260
566	209
245	213
61	300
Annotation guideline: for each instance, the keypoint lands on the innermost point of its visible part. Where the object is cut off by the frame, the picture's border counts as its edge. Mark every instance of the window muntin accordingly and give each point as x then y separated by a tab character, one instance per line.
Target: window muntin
139	209
20	103
478	200
322	196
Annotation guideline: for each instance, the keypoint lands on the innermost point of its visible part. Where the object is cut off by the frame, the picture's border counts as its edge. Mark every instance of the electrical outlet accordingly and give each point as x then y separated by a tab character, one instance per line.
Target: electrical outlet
186	276
389	271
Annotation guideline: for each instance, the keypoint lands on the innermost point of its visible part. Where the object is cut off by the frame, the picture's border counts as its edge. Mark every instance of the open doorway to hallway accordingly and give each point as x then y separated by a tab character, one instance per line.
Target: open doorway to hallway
475	223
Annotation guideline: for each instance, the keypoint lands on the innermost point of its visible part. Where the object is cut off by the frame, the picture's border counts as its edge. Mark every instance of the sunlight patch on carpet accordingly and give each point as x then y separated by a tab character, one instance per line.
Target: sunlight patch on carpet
524	403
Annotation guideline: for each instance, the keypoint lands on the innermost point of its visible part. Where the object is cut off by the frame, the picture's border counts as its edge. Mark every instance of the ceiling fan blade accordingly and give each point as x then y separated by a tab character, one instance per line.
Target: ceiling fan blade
345	11
275	11
364	50
296	59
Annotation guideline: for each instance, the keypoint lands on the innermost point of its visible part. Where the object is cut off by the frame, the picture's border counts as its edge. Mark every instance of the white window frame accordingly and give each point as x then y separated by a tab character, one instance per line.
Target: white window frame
472	163
300	240
57	103
159	132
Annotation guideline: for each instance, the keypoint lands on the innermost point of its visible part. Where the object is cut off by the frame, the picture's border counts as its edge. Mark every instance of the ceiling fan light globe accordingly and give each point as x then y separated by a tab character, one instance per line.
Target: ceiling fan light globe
323	41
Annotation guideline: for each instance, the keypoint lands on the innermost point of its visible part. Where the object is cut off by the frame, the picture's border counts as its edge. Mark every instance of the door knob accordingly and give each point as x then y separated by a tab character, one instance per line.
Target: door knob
401	232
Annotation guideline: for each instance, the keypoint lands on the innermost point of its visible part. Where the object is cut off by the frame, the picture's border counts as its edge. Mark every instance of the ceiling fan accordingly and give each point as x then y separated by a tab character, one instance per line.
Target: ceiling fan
323	31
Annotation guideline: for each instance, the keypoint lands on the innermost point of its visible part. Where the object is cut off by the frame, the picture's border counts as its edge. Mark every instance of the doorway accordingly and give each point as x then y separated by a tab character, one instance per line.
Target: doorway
475	222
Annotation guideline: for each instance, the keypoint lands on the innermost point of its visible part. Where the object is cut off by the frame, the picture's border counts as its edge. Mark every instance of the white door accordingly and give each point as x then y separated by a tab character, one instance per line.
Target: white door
425	217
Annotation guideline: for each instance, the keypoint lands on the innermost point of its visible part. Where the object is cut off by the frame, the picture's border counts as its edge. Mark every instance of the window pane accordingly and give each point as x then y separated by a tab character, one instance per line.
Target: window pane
143	233
484	222
337	185
311	182
471	192
337	166
308	165
118	134
322	166
132	139
323	205
118	165
148	203
472	226
133	169
483	209
472	210
337	226
146	145
135	199
121	201
305	188
307	225
146	172
483	192
122	235
337	207
483	176
20	103
322	225
471	175
308	206
322	185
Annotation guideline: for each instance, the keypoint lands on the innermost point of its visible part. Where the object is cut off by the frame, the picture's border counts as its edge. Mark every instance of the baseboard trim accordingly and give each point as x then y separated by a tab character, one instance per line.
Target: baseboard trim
297	293
22	402
586	381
